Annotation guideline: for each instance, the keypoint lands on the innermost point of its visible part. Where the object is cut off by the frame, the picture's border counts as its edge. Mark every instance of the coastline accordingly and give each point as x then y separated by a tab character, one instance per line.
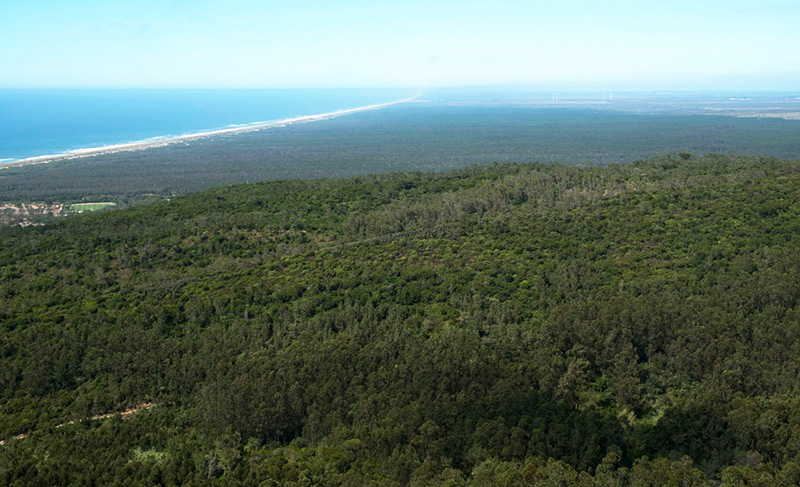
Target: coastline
148	144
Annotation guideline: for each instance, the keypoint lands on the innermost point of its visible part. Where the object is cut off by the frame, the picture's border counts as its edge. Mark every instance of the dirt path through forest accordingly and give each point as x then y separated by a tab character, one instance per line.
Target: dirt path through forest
124	414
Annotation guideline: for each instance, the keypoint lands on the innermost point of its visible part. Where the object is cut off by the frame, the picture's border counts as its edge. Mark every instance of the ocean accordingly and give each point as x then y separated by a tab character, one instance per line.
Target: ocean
47	122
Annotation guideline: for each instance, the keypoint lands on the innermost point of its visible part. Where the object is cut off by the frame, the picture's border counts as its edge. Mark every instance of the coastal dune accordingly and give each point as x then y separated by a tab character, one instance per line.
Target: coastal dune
147	144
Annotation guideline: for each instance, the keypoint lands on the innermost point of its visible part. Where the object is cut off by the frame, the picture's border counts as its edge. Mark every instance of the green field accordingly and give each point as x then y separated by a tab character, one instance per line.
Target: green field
81	207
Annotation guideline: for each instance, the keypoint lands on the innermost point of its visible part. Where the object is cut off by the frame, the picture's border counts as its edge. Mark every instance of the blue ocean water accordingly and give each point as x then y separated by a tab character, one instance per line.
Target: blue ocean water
44	122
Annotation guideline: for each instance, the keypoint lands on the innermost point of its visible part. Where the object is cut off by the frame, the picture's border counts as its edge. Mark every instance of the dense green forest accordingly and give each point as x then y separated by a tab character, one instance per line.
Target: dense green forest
408	137
507	325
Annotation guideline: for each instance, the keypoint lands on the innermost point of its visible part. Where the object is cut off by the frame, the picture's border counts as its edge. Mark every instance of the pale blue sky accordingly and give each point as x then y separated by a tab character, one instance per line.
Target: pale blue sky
616	44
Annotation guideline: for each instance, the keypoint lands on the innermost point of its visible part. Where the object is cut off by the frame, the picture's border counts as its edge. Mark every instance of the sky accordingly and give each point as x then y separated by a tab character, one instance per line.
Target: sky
570	44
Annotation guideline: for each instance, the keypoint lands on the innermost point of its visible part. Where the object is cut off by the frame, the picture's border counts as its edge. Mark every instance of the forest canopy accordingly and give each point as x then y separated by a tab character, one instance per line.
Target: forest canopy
516	324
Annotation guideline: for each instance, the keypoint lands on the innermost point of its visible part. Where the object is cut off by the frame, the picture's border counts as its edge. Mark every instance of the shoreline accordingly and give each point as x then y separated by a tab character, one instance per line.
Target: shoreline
149	144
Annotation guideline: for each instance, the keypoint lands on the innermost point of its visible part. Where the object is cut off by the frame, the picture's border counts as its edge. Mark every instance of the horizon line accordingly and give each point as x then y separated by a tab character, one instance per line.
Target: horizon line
488	87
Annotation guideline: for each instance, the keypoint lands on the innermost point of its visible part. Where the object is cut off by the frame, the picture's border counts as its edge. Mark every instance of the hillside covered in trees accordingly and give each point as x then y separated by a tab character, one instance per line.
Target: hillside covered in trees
509	325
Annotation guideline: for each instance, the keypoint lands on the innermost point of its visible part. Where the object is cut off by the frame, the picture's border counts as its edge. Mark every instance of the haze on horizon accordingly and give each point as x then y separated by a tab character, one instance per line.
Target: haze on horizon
575	44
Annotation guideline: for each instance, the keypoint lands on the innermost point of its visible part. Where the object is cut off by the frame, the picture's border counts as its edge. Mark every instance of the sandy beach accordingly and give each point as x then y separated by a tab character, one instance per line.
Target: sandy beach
147	144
